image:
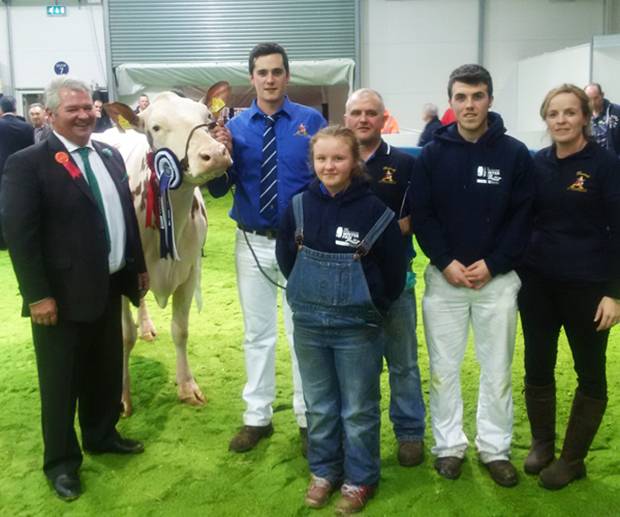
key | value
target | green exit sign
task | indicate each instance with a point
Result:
(56, 10)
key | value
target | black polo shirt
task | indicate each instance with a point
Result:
(390, 170)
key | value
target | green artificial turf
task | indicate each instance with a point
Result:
(187, 468)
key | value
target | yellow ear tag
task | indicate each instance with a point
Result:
(124, 123)
(217, 105)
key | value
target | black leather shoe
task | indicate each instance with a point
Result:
(119, 445)
(503, 473)
(449, 467)
(67, 486)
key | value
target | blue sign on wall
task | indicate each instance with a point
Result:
(61, 68)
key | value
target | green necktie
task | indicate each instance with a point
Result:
(94, 186)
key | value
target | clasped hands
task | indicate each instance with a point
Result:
(474, 276)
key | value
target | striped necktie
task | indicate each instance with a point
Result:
(94, 186)
(269, 173)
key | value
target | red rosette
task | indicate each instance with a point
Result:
(63, 159)
(152, 189)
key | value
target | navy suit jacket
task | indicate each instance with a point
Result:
(15, 134)
(56, 234)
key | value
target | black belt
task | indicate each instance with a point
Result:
(270, 234)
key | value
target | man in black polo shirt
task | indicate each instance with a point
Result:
(390, 170)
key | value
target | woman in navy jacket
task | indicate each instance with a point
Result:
(571, 279)
(342, 252)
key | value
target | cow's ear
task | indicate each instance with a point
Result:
(124, 117)
(218, 97)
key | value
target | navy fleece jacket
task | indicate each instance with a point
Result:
(576, 235)
(473, 201)
(336, 225)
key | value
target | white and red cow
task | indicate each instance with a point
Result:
(180, 125)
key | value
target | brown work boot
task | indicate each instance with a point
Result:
(303, 436)
(354, 498)
(319, 492)
(248, 437)
(449, 466)
(540, 404)
(585, 419)
(503, 473)
(410, 453)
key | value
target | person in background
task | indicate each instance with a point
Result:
(74, 243)
(15, 134)
(38, 119)
(269, 145)
(390, 171)
(605, 120)
(342, 252)
(432, 122)
(571, 280)
(103, 121)
(143, 103)
(471, 196)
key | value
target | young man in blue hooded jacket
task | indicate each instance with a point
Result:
(471, 196)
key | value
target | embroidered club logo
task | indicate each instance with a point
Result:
(488, 176)
(346, 237)
(579, 185)
(388, 175)
(301, 131)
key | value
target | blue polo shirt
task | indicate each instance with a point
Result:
(295, 125)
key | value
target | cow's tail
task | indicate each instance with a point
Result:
(198, 290)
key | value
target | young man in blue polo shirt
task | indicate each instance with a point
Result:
(390, 170)
(269, 145)
(471, 196)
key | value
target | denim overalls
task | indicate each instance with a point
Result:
(339, 346)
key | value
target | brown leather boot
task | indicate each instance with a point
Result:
(585, 419)
(248, 437)
(540, 404)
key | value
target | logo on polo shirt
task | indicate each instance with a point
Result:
(346, 237)
(388, 175)
(488, 176)
(579, 185)
(301, 131)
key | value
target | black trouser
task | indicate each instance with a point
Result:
(82, 362)
(546, 306)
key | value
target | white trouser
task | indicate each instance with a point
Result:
(492, 311)
(259, 303)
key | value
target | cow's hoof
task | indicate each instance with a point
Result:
(126, 408)
(190, 393)
(148, 334)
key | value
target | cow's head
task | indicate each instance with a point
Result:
(182, 125)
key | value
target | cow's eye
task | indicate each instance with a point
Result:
(156, 128)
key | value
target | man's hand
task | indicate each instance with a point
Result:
(607, 313)
(223, 136)
(44, 312)
(478, 274)
(143, 283)
(454, 273)
(405, 225)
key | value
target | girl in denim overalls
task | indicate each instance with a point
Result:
(341, 250)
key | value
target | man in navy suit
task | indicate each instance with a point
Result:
(73, 239)
(15, 134)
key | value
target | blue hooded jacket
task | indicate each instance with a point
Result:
(473, 200)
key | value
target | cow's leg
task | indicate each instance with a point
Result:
(188, 390)
(130, 335)
(147, 328)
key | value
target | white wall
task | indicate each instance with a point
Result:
(538, 75)
(409, 47)
(40, 41)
